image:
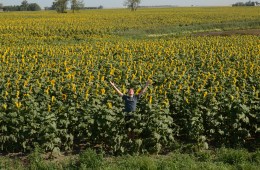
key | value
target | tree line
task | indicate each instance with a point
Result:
(249, 3)
(58, 5)
(25, 6)
(62, 5)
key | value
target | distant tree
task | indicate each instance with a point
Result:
(34, 7)
(12, 8)
(132, 4)
(249, 3)
(53, 7)
(1, 6)
(238, 4)
(76, 5)
(60, 5)
(24, 5)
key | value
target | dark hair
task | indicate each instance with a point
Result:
(130, 89)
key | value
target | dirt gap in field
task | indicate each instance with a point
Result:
(229, 33)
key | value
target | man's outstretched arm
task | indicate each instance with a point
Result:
(145, 87)
(117, 90)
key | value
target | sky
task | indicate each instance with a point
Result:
(119, 3)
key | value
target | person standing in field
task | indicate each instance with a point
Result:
(130, 101)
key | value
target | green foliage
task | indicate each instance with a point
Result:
(33, 7)
(60, 5)
(233, 157)
(89, 159)
(137, 162)
(256, 157)
(76, 5)
(36, 160)
(248, 3)
(24, 5)
(132, 4)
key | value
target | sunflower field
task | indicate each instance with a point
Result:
(55, 71)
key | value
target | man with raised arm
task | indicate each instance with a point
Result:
(130, 105)
(130, 99)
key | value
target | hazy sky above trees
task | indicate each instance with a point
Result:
(119, 3)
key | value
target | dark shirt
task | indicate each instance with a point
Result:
(130, 102)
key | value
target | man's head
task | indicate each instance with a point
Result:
(131, 92)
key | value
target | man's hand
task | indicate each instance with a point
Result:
(117, 90)
(112, 83)
(146, 85)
